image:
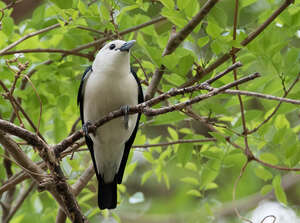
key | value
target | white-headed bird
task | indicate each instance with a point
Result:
(108, 85)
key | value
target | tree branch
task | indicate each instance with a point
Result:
(126, 31)
(143, 108)
(60, 188)
(277, 107)
(77, 188)
(48, 50)
(12, 45)
(174, 41)
(245, 42)
(263, 96)
(179, 106)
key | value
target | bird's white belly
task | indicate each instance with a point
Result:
(103, 95)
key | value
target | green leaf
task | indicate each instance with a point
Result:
(185, 153)
(82, 7)
(8, 25)
(266, 189)
(168, 3)
(209, 173)
(166, 179)
(190, 180)
(130, 168)
(279, 192)
(194, 192)
(18, 219)
(245, 3)
(213, 30)
(218, 15)
(203, 41)
(211, 186)
(281, 122)
(146, 176)
(148, 156)
(174, 16)
(269, 158)
(65, 4)
(182, 4)
(170, 61)
(173, 133)
(116, 217)
(186, 64)
(105, 16)
(63, 102)
(191, 166)
(191, 9)
(263, 173)
(218, 136)
(121, 188)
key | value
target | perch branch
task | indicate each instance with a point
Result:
(143, 108)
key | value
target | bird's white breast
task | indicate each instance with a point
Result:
(106, 92)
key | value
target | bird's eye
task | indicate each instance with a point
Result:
(112, 46)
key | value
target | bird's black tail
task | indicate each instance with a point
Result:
(107, 194)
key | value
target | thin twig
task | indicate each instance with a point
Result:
(176, 142)
(263, 96)
(73, 129)
(275, 166)
(23, 167)
(179, 106)
(141, 66)
(10, 5)
(124, 32)
(40, 101)
(235, 188)
(18, 178)
(12, 45)
(174, 41)
(20, 201)
(245, 42)
(90, 29)
(11, 99)
(112, 20)
(48, 50)
(277, 107)
(88, 45)
(245, 130)
(14, 102)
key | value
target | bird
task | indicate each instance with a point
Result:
(110, 84)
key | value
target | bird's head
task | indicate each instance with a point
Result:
(114, 54)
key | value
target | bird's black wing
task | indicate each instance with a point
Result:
(129, 142)
(80, 101)
(80, 96)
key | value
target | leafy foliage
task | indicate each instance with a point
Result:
(189, 180)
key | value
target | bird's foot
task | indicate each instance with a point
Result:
(85, 127)
(125, 109)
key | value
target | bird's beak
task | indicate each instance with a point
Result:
(126, 46)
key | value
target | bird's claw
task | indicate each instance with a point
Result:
(125, 109)
(85, 127)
